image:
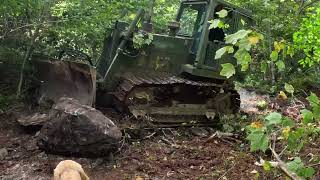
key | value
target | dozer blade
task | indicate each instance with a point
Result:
(65, 79)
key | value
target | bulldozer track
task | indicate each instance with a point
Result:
(130, 83)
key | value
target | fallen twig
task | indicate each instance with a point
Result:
(285, 148)
(226, 172)
(122, 143)
(317, 164)
(149, 136)
(169, 143)
(222, 135)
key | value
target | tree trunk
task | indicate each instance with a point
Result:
(272, 69)
(26, 58)
(94, 52)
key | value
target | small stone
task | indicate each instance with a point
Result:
(3, 153)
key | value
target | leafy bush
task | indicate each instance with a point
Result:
(307, 39)
(278, 129)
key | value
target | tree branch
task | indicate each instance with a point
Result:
(304, 6)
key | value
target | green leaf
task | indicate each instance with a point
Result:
(289, 88)
(264, 66)
(290, 51)
(295, 142)
(214, 23)
(233, 38)
(274, 56)
(295, 165)
(298, 167)
(244, 44)
(258, 141)
(315, 104)
(314, 100)
(307, 116)
(223, 13)
(243, 59)
(228, 70)
(220, 52)
(281, 66)
(230, 49)
(287, 122)
(273, 118)
(306, 172)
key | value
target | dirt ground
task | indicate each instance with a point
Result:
(163, 154)
(172, 156)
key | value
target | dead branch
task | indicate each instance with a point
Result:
(283, 166)
(303, 6)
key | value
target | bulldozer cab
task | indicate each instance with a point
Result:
(193, 18)
(188, 48)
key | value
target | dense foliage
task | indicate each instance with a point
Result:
(76, 24)
(307, 38)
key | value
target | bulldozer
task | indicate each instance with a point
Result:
(174, 80)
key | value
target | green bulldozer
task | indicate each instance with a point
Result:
(173, 81)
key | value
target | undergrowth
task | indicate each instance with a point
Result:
(6, 101)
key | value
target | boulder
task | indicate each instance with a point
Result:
(80, 130)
